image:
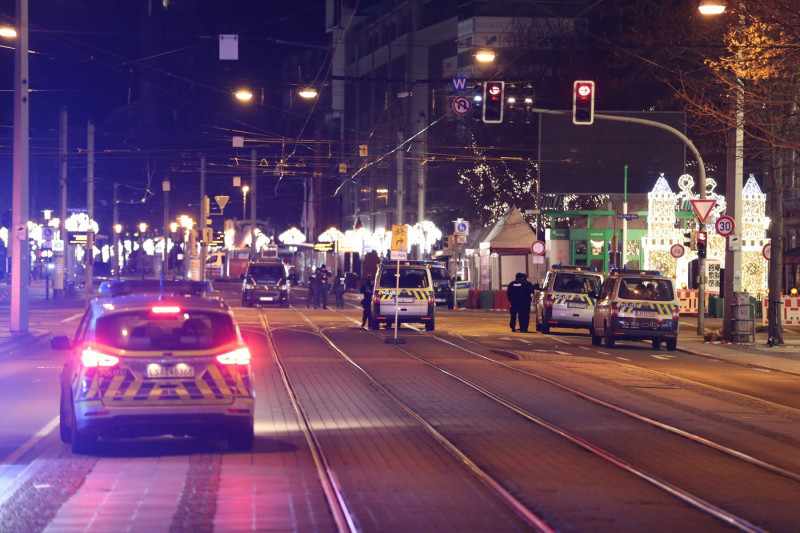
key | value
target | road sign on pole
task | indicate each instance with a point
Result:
(725, 226)
(702, 208)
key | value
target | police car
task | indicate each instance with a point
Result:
(566, 299)
(266, 282)
(412, 284)
(636, 305)
(150, 365)
(442, 285)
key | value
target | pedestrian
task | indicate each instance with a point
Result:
(337, 288)
(313, 290)
(366, 302)
(324, 278)
(519, 297)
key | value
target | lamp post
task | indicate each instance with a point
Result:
(117, 255)
(142, 229)
(245, 190)
(173, 228)
(734, 179)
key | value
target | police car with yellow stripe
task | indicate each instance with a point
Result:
(404, 292)
(566, 299)
(636, 305)
(153, 364)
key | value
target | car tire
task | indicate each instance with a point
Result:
(241, 440)
(537, 323)
(64, 430)
(374, 324)
(450, 305)
(609, 339)
(430, 325)
(672, 344)
(285, 303)
(544, 327)
(656, 344)
(245, 303)
(81, 442)
(597, 340)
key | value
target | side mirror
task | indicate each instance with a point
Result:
(60, 342)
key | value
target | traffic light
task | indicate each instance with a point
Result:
(477, 103)
(702, 242)
(493, 100)
(511, 104)
(690, 240)
(583, 102)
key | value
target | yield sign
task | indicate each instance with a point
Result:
(702, 208)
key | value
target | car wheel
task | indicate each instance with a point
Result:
(63, 427)
(544, 327)
(656, 344)
(81, 442)
(430, 325)
(450, 305)
(538, 324)
(609, 340)
(242, 440)
(596, 339)
(285, 303)
(374, 324)
(245, 303)
(672, 344)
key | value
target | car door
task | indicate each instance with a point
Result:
(602, 311)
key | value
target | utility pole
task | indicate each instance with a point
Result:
(203, 217)
(401, 180)
(89, 257)
(20, 252)
(115, 213)
(165, 187)
(253, 203)
(61, 258)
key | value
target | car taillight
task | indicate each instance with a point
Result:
(376, 298)
(614, 310)
(93, 358)
(239, 356)
(431, 299)
(675, 314)
(165, 310)
(548, 300)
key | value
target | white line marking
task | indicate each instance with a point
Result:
(624, 358)
(71, 318)
(33, 441)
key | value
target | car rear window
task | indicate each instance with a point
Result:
(646, 289)
(185, 330)
(576, 283)
(440, 274)
(410, 278)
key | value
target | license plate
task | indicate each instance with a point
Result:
(266, 298)
(576, 305)
(440, 300)
(646, 314)
(405, 300)
(181, 370)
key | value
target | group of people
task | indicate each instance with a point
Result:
(519, 294)
(320, 285)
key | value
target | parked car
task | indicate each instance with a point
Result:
(403, 292)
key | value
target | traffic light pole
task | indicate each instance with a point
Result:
(701, 286)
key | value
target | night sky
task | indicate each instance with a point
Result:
(151, 81)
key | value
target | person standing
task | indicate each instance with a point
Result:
(324, 278)
(313, 289)
(519, 294)
(366, 301)
(337, 288)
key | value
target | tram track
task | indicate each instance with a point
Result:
(718, 512)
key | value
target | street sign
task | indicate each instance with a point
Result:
(462, 105)
(702, 208)
(397, 255)
(538, 248)
(48, 234)
(677, 250)
(459, 83)
(628, 216)
(461, 239)
(766, 251)
(222, 201)
(461, 227)
(725, 226)
(399, 238)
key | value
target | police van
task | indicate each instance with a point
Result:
(636, 305)
(403, 292)
(566, 300)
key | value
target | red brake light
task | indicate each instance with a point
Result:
(239, 356)
(93, 358)
(165, 309)
(614, 310)
(548, 300)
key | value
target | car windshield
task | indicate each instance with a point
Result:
(184, 330)
(266, 272)
(576, 283)
(658, 290)
(410, 278)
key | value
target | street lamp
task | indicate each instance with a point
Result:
(142, 229)
(734, 178)
(117, 255)
(245, 190)
(307, 92)
(485, 56)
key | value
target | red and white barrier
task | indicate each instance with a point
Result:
(791, 311)
(688, 301)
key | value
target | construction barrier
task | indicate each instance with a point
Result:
(791, 311)
(501, 300)
(687, 301)
(474, 300)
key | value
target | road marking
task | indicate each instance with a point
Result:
(33, 441)
(662, 357)
(624, 358)
(71, 318)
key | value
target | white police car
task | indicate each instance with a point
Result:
(566, 299)
(150, 365)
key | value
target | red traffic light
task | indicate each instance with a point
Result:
(583, 102)
(702, 237)
(494, 89)
(583, 90)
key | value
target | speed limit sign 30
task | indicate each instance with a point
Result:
(725, 226)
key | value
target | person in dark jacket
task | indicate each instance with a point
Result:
(519, 294)
(324, 278)
(337, 288)
(366, 301)
(313, 290)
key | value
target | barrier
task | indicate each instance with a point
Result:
(501, 300)
(687, 301)
(791, 311)
(487, 299)
(474, 299)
